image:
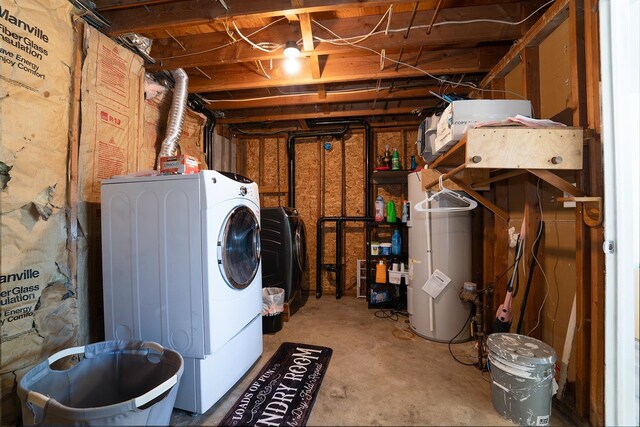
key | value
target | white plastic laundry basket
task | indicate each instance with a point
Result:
(115, 383)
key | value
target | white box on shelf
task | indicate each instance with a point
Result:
(460, 114)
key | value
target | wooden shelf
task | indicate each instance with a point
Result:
(390, 176)
(517, 150)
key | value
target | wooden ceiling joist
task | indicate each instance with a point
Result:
(352, 68)
(327, 114)
(550, 20)
(331, 98)
(204, 49)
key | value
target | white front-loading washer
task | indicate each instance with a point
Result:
(181, 266)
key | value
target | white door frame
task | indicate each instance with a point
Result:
(620, 47)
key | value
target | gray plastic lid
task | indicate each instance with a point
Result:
(521, 349)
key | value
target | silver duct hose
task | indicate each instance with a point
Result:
(169, 145)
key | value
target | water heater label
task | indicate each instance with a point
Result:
(436, 283)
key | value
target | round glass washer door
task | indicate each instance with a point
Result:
(240, 247)
(300, 245)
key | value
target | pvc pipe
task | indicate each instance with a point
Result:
(427, 219)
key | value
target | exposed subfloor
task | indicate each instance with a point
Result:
(380, 373)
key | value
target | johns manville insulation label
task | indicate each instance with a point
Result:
(38, 312)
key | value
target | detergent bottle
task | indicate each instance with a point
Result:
(395, 160)
(396, 243)
(379, 214)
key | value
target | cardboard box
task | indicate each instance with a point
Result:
(460, 114)
(182, 164)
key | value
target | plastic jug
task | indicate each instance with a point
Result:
(395, 160)
(379, 214)
(396, 243)
(391, 211)
(381, 272)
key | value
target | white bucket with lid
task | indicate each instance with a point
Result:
(522, 372)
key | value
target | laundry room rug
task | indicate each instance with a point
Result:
(284, 391)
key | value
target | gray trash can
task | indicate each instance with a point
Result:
(116, 383)
(272, 308)
(522, 373)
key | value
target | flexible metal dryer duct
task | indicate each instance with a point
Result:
(176, 115)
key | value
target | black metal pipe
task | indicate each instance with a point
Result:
(291, 154)
(368, 142)
(319, 248)
(341, 219)
(195, 103)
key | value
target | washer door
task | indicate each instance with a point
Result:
(240, 247)
(300, 246)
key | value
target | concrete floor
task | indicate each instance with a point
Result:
(380, 373)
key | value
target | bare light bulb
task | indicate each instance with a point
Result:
(291, 65)
(291, 50)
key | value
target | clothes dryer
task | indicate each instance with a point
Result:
(181, 266)
(284, 251)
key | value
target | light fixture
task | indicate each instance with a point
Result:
(291, 49)
(291, 65)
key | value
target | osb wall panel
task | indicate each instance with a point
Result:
(269, 159)
(354, 241)
(411, 136)
(307, 197)
(555, 72)
(513, 83)
(355, 175)
(252, 160)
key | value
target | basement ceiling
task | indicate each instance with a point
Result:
(385, 61)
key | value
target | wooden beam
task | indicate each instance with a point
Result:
(596, 236)
(530, 59)
(498, 89)
(368, 95)
(501, 248)
(205, 49)
(501, 213)
(349, 68)
(434, 16)
(497, 178)
(557, 182)
(577, 54)
(531, 77)
(149, 15)
(552, 18)
(322, 92)
(314, 66)
(327, 114)
(307, 34)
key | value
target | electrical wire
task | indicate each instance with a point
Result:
(440, 79)
(256, 45)
(456, 336)
(437, 24)
(540, 265)
(201, 52)
(366, 36)
(392, 315)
